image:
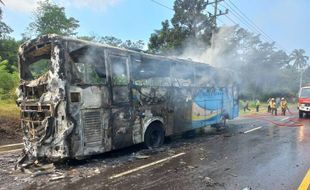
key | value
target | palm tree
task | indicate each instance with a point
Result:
(300, 61)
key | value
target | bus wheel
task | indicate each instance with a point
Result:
(154, 136)
(301, 114)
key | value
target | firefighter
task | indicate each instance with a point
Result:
(273, 106)
(268, 102)
(283, 105)
(246, 106)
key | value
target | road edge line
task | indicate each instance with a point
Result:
(305, 182)
(145, 166)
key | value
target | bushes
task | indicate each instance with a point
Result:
(8, 81)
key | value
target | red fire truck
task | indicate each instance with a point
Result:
(304, 101)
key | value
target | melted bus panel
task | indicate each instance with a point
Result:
(93, 98)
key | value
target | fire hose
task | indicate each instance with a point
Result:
(294, 122)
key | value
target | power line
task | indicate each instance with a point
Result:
(220, 21)
(247, 24)
(158, 3)
(253, 23)
(248, 18)
(236, 12)
(231, 20)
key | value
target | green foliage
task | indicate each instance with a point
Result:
(8, 51)
(40, 67)
(110, 40)
(50, 18)
(116, 42)
(299, 59)
(8, 81)
(190, 24)
(4, 28)
(261, 68)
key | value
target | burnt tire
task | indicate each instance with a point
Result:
(154, 136)
(301, 114)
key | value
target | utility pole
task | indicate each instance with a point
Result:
(217, 12)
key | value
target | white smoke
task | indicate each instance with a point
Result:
(216, 54)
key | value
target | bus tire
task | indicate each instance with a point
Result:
(154, 135)
(301, 114)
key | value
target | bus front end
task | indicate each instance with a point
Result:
(41, 98)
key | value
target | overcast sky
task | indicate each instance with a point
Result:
(285, 21)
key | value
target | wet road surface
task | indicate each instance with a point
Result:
(254, 152)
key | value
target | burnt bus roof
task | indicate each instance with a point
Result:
(36, 43)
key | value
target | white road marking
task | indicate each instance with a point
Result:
(252, 130)
(284, 118)
(10, 145)
(10, 151)
(145, 166)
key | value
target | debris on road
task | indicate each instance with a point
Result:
(140, 156)
(209, 182)
(246, 188)
(57, 176)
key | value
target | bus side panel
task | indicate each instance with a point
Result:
(182, 104)
(207, 107)
(91, 132)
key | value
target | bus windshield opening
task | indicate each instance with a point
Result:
(37, 63)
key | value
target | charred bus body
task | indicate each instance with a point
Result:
(94, 98)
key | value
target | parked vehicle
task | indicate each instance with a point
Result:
(304, 101)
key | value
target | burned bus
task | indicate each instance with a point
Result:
(79, 98)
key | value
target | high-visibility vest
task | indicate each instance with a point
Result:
(283, 104)
(272, 104)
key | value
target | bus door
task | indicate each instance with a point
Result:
(121, 109)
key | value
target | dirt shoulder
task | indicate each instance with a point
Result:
(10, 131)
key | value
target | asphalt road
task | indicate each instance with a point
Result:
(255, 152)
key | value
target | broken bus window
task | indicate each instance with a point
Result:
(88, 66)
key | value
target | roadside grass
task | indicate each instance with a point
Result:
(252, 107)
(8, 109)
(263, 108)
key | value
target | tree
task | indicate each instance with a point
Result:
(128, 44)
(299, 58)
(4, 28)
(189, 25)
(110, 40)
(8, 51)
(300, 61)
(51, 18)
(116, 42)
(8, 81)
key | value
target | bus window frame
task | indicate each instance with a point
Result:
(110, 80)
(73, 68)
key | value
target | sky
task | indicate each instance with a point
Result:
(284, 21)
